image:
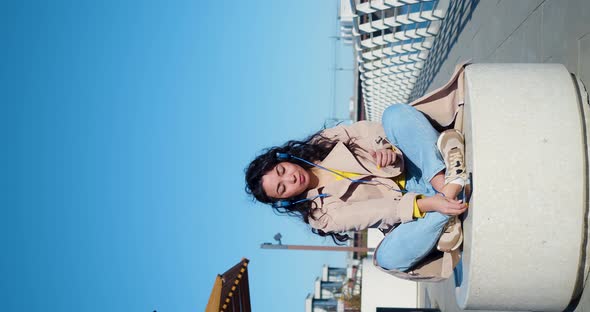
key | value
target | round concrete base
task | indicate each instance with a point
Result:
(526, 148)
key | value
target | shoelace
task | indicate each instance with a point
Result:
(455, 160)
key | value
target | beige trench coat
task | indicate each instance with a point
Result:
(356, 206)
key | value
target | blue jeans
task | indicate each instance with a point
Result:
(412, 133)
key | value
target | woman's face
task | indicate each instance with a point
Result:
(285, 180)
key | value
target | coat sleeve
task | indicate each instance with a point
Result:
(356, 216)
(366, 134)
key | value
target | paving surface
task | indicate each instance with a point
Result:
(525, 31)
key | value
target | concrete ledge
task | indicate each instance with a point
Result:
(526, 148)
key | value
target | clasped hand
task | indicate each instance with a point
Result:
(442, 204)
(384, 157)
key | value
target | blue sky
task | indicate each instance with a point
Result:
(127, 126)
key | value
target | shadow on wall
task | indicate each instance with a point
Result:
(459, 13)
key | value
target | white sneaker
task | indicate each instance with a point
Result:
(451, 145)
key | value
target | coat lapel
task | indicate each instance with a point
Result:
(336, 189)
(340, 158)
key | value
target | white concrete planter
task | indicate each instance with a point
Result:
(525, 234)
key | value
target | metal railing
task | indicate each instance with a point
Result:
(392, 41)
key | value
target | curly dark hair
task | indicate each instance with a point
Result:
(314, 148)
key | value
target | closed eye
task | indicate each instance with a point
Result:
(281, 189)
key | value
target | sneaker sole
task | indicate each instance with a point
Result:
(455, 247)
(457, 244)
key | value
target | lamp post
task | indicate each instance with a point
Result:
(278, 237)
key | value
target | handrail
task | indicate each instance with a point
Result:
(392, 40)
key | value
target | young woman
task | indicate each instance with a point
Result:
(369, 175)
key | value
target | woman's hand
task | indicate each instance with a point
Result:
(384, 157)
(442, 204)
